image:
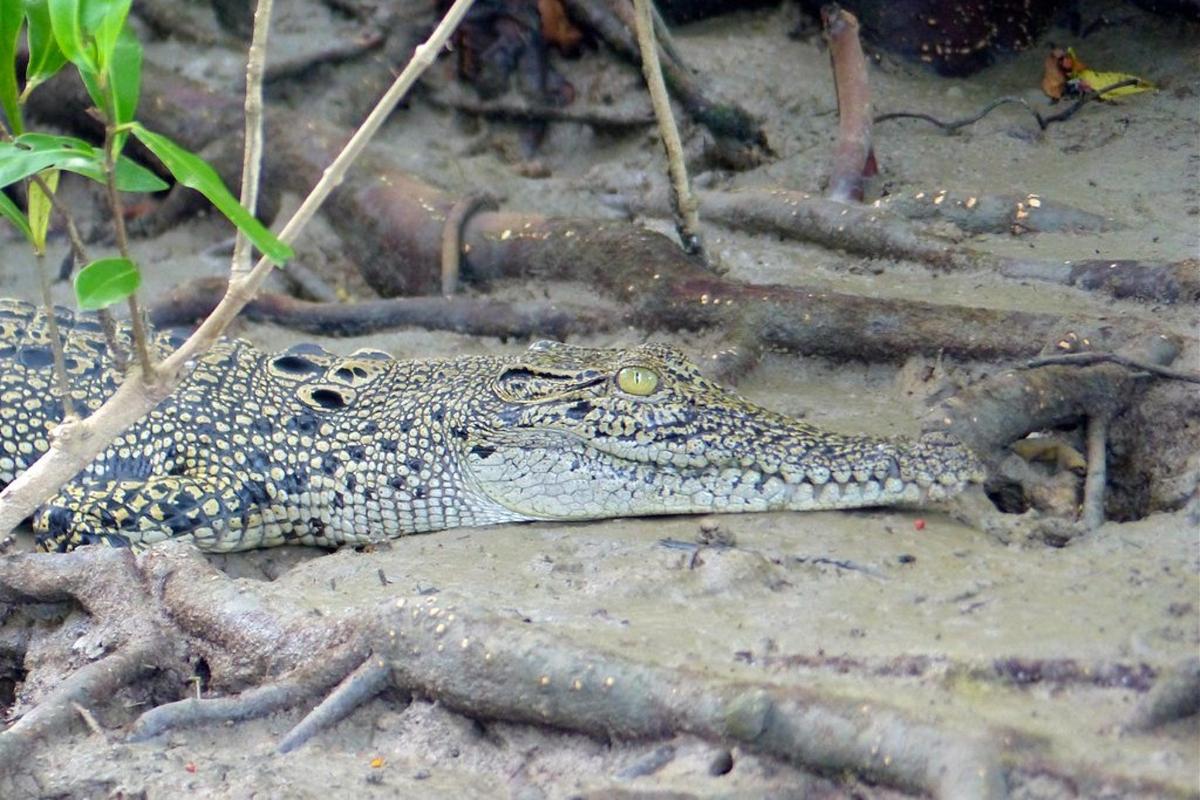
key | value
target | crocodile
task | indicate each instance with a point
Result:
(257, 449)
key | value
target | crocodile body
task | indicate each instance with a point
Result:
(259, 449)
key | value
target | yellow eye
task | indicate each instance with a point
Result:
(637, 380)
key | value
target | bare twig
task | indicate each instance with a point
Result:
(1087, 359)
(1042, 121)
(77, 443)
(687, 218)
(723, 118)
(89, 719)
(252, 141)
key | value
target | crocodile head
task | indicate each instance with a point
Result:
(583, 433)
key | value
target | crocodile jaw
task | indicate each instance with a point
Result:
(576, 482)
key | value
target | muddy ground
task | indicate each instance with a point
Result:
(906, 608)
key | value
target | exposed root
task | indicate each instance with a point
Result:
(1170, 282)
(484, 665)
(372, 677)
(722, 117)
(976, 212)
(475, 316)
(89, 685)
(854, 157)
(492, 667)
(302, 687)
(110, 588)
(519, 109)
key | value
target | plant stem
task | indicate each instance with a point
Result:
(252, 145)
(56, 344)
(687, 219)
(117, 208)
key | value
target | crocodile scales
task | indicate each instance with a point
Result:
(259, 449)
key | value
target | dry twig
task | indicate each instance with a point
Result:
(684, 203)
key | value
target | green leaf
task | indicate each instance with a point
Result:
(17, 163)
(125, 80)
(78, 156)
(107, 27)
(105, 281)
(193, 172)
(40, 207)
(67, 22)
(45, 57)
(9, 210)
(11, 17)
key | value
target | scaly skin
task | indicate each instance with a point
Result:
(260, 449)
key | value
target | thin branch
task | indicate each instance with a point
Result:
(687, 220)
(1042, 121)
(252, 146)
(1087, 359)
(76, 443)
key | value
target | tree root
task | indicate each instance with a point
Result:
(1003, 408)
(484, 665)
(724, 118)
(519, 109)
(999, 410)
(854, 157)
(392, 225)
(109, 586)
(1170, 282)
(193, 301)
(995, 213)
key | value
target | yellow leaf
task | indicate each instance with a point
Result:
(1091, 80)
(40, 207)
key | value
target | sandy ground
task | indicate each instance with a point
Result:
(828, 600)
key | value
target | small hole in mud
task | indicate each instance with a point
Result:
(8, 691)
(201, 670)
(1007, 496)
(722, 763)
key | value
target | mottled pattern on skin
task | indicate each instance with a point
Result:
(302, 447)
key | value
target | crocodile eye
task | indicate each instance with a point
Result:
(639, 381)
